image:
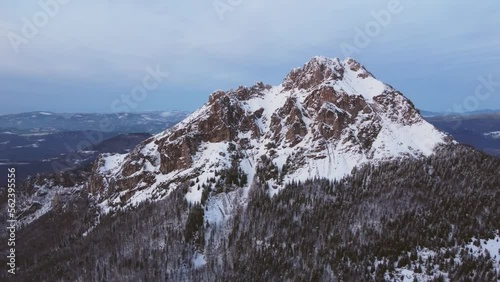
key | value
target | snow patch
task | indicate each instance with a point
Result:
(111, 163)
(490, 246)
(199, 260)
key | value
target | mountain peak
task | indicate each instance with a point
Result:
(322, 70)
(324, 119)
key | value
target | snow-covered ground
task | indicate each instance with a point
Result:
(408, 274)
(490, 246)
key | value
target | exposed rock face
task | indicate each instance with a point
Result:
(315, 72)
(324, 119)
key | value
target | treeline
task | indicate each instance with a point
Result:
(361, 228)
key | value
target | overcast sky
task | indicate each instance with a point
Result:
(87, 54)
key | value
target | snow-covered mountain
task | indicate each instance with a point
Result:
(323, 120)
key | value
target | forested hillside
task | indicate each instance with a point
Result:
(424, 219)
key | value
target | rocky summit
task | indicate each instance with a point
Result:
(324, 119)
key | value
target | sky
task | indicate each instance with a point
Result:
(144, 55)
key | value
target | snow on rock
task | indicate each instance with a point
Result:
(111, 163)
(44, 200)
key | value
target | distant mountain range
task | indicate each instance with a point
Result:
(47, 122)
(481, 131)
(425, 113)
(54, 152)
(143, 122)
(45, 142)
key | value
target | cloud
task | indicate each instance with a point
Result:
(109, 43)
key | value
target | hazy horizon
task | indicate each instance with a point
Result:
(190, 111)
(82, 56)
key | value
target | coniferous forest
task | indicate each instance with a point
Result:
(421, 216)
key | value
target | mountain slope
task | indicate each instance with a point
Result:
(323, 120)
(401, 220)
